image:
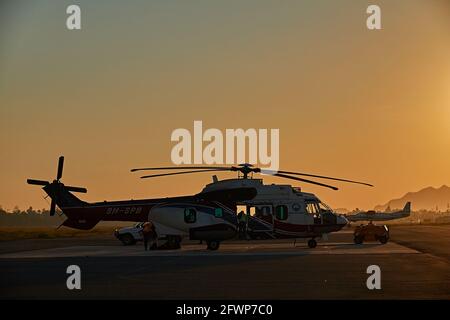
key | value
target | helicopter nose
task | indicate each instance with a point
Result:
(341, 220)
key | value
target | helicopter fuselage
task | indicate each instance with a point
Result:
(273, 211)
(217, 213)
(282, 211)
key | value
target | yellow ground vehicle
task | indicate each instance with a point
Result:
(371, 232)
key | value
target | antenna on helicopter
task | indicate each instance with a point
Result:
(246, 169)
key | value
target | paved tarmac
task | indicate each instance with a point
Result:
(414, 265)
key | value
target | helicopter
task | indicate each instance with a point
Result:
(272, 211)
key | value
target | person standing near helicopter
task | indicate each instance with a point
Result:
(149, 234)
(242, 225)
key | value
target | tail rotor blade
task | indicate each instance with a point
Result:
(54, 188)
(76, 189)
(52, 208)
(60, 167)
(38, 182)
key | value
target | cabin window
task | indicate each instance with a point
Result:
(252, 211)
(263, 211)
(218, 212)
(190, 215)
(281, 212)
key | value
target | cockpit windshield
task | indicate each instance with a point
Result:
(312, 207)
(324, 207)
(315, 207)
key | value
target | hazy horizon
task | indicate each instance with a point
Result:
(348, 207)
(352, 103)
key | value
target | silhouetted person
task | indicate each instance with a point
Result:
(149, 234)
(242, 224)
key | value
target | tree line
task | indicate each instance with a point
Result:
(29, 217)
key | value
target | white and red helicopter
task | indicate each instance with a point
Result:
(272, 211)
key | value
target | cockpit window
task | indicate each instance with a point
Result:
(312, 208)
(324, 208)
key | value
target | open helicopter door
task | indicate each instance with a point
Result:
(259, 220)
(263, 213)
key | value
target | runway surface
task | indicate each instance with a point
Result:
(415, 264)
(254, 248)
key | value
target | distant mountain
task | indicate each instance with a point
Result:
(341, 210)
(427, 198)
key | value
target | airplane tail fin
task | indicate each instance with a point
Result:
(407, 207)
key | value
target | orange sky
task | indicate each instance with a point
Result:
(349, 102)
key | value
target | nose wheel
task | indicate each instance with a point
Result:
(312, 243)
(213, 245)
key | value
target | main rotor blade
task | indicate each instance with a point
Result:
(305, 180)
(76, 189)
(179, 168)
(181, 172)
(60, 167)
(317, 176)
(52, 208)
(38, 182)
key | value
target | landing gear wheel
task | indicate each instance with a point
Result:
(173, 242)
(213, 245)
(312, 243)
(383, 240)
(127, 239)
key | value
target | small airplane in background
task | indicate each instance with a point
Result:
(372, 215)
